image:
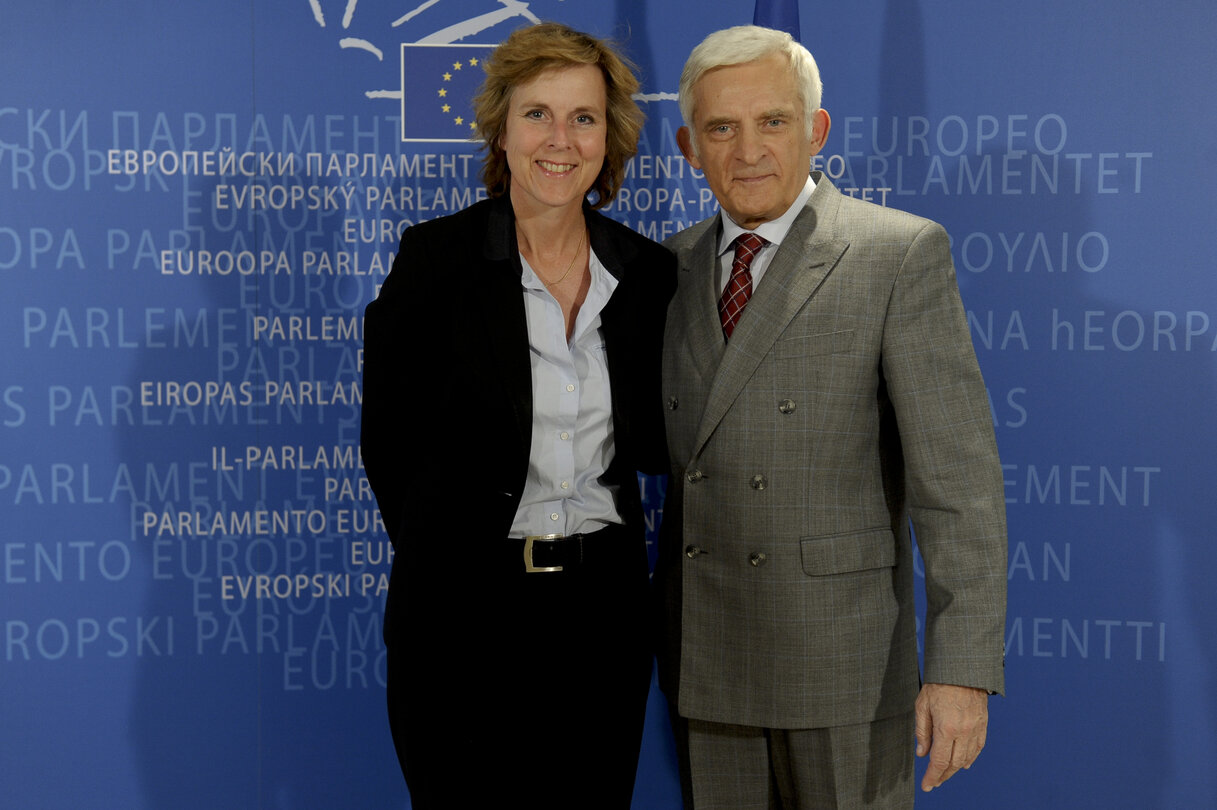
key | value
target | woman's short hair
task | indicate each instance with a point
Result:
(527, 53)
(747, 43)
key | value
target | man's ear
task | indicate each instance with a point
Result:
(684, 139)
(820, 124)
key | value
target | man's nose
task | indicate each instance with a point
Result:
(749, 146)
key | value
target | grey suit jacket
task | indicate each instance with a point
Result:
(847, 403)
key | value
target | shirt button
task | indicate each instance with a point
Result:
(566, 485)
(570, 387)
(564, 435)
(554, 516)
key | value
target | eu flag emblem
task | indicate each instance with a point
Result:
(438, 85)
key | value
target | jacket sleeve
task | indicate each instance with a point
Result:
(659, 286)
(953, 481)
(383, 436)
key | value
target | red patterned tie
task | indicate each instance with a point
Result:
(739, 286)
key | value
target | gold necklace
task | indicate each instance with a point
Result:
(578, 252)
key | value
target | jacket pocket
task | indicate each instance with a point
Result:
(843, 553)
(809, 345)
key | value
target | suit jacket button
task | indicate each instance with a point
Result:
(672, 403)
(694, 476)
(757, 558)
(692, 551)
(786, 406)
(759, 482)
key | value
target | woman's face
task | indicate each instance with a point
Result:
(554, 138)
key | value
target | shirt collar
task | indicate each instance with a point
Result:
(773, 231)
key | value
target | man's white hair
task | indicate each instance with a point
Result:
(747, 43)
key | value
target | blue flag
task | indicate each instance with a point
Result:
(780, 14)
(438, 86)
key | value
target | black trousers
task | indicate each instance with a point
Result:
(524, 688)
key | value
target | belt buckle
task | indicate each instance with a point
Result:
(528, 543)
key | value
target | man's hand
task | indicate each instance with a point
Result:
(951, 725)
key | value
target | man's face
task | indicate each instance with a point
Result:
(751, 138)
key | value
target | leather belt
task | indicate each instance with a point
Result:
(610, 544)
(549, 553)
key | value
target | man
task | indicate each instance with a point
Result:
(822, 392)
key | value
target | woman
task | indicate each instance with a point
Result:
(511, 392)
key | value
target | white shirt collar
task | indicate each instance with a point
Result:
(773, 231)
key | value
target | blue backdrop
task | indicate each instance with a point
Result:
(197, 201)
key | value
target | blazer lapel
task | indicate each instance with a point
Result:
(615, 317)
(499, 314)
(698, 319)
(806, 256)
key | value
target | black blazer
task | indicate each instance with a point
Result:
(447, 392)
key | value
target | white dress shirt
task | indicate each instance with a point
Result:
(572, 410)
(773, 232)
